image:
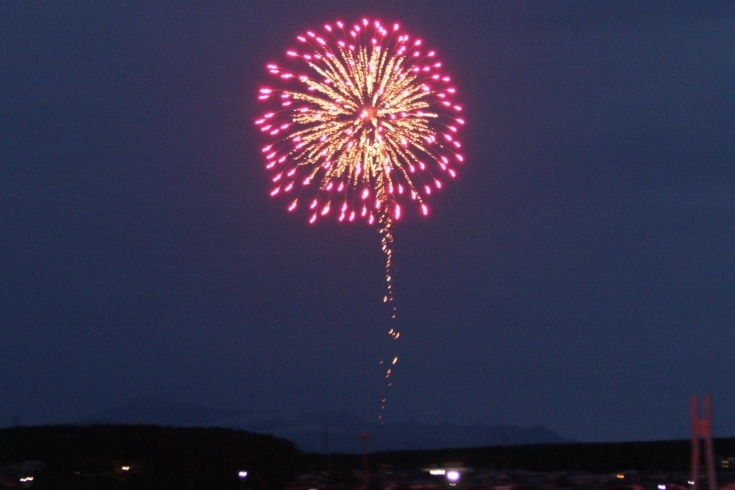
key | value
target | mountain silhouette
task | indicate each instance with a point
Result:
(326, 432)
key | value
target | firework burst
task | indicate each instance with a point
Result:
(362, 121)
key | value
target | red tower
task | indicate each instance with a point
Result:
(702, 429)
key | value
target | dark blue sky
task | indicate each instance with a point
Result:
(579, 274)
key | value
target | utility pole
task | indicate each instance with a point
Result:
(702, 430)
(364, 438)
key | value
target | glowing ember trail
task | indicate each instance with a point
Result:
(362, 123)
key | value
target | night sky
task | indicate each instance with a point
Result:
(578, 274)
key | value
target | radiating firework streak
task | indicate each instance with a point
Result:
(363, 120)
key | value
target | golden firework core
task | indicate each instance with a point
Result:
(369, 112)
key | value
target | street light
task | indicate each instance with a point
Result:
(452, 476)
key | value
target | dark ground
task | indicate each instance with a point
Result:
(168, 457)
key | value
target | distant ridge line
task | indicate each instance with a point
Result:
(322, 432)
